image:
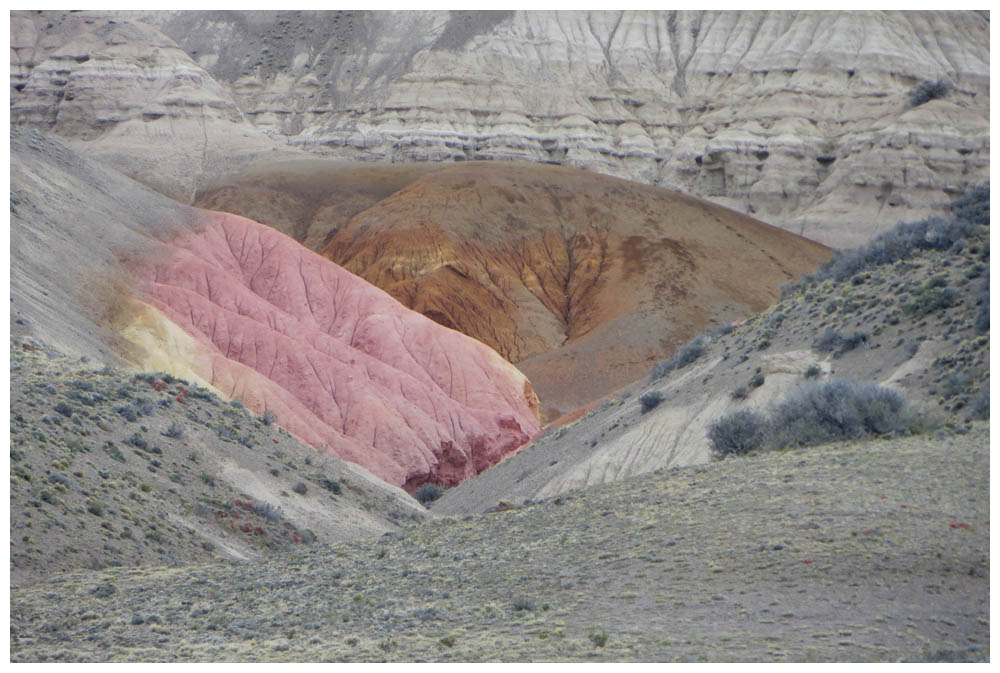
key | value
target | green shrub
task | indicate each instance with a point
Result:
(812, 371)
(95, 507)
(64, 409)
(931, 298)
(428, 493)
(650, 400)
(300, 488)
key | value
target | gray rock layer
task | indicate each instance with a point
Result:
(802, 119)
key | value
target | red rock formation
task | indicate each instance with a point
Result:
(341, 364)
(581, 280)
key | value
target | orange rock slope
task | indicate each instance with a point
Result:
(339, 362)
(583, 281)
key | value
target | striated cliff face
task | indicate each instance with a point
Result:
(801, 119)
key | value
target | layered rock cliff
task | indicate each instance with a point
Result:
(802, 119)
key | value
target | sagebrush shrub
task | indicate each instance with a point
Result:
(833, 341)
(926, 91)
(684, 356)
(738, 433)
(428, 493)
(933, 233)
(837, 409)
(650, 400)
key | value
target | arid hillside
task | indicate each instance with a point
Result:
(581, 280)
(230, 303)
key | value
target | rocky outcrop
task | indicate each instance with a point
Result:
(105, 269)
(581, 280)
(802, 119)
(337, 361)
(123, 92)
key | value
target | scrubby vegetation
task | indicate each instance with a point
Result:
(650, 400)
(816, 413)
(968, 214)
(928, 90)
(684, 356)
(428, 493)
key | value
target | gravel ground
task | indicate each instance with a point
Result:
(867, 551)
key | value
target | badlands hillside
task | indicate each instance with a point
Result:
(563, 272)
(496, 336)
(806, 120)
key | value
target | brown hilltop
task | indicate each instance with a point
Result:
(581, 280)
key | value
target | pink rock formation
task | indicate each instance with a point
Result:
(339, 362)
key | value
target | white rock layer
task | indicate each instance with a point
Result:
(801, 119)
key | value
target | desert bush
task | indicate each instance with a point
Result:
(738, 433)
(982, 321)
(927, 90)
(268, 511)
(757, 380)
(95, 507)
(974, 205)
(968, 212)
(930, 299)
(428, 493)
(207, 478)
(268, 417)
(331, 485)
(650, 400)
(837, 409)
(524, 604)
(739, 393)
(300, 488)
(684, 356)
(64, 409)
(127, 413)
(979, 409)
(833, 341)
(137, 441)
(175, 431)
